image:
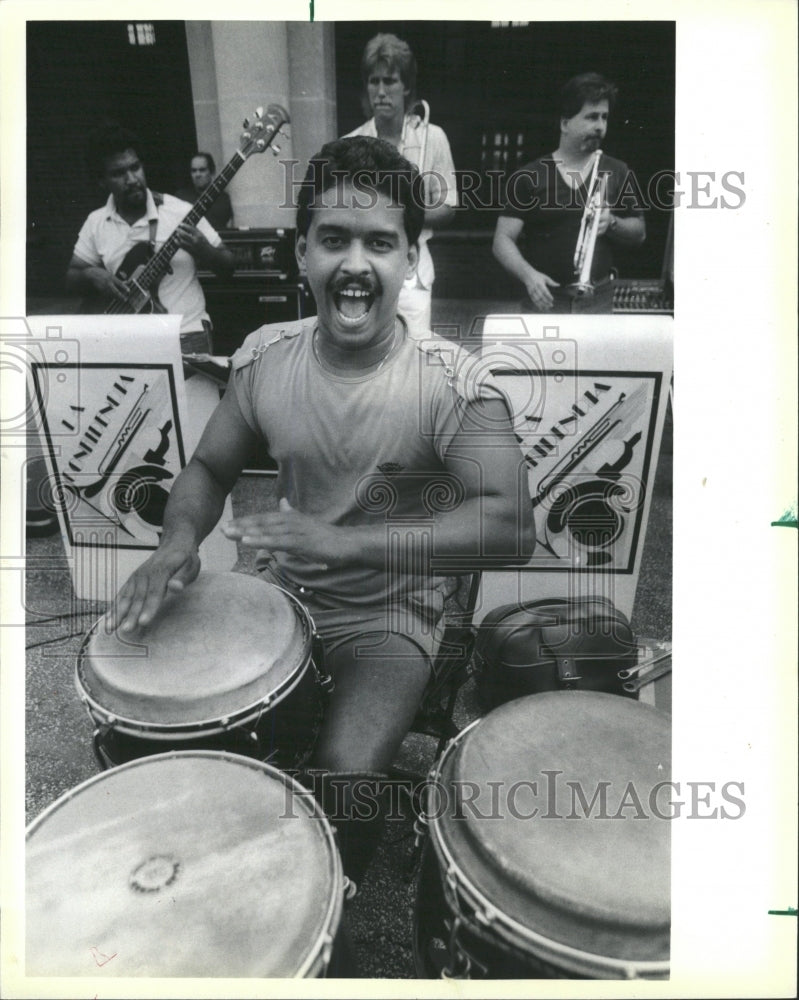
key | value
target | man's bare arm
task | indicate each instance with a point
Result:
(195, 505)
(626, 230)
(494, 518)
(218, 259)
(506, 251)
(88, 278)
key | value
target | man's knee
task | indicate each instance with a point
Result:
(380, 679)
(362, 748)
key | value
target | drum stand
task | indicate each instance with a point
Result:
(435, 717)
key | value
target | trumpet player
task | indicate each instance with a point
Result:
(546, 217)
(388, 71)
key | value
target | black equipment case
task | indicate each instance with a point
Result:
(553, 645)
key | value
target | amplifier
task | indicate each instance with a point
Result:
(241, 304)
(620, 295)
(261, 253)
(642, 295)
(264, 288)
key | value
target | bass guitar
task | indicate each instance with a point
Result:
(142, 269)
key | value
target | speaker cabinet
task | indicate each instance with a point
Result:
(240, 305)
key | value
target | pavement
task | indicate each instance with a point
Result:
(58, 750)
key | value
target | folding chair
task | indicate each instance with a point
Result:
(435, 717)
(450, 670)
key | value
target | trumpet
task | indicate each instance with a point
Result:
(424, 122)
(589, 225)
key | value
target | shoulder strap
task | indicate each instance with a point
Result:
(153, 223)
(466, 373)
(258, 342)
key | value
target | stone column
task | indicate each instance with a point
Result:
(200, 45)
(237, 66)
(312, 78)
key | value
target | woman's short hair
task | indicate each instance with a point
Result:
(397, 55)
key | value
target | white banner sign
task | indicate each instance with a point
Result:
(589, 396)
(117, 424)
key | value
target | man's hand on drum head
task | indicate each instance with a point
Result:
(168, 569)
(287, 530)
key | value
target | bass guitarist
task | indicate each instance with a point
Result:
(117, 239)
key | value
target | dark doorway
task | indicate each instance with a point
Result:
(78, 74)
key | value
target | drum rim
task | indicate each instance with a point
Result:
(318, 954)
(489, 914)
(215, 726)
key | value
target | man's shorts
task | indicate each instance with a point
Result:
(337, 622)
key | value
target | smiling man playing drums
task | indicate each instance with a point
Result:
(393, 451)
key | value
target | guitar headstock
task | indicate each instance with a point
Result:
(261, 130)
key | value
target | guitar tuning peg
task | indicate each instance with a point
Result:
(246, 123)
(275, 149)
(259, 112)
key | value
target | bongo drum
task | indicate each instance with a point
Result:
(191, 863)
(548, 853)
(227, 664)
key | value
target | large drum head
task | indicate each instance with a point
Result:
(185, 864)
(558, 827)
(225, 643)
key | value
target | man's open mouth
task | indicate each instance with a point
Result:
(353, 304)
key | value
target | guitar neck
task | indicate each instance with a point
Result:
(257, 137)
(158, 264)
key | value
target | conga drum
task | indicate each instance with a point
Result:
(227, 664)
(548, 853)
(191, 863)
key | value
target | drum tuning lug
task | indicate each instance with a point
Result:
(350, 888)
(447, 973)
(327, 950)
(486, 915)
(461, 963)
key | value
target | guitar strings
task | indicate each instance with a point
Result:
(150, 271)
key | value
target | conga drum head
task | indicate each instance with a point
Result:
(186, 864)
(224, 644)
(551, 820)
